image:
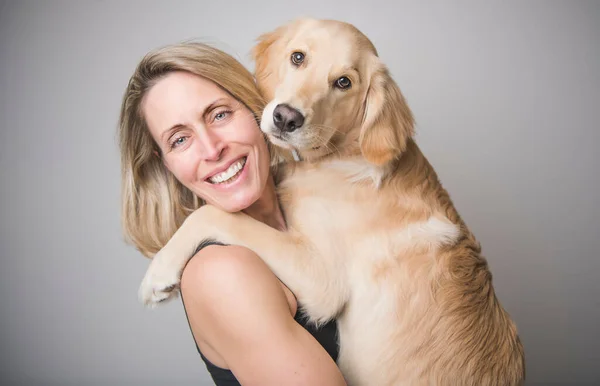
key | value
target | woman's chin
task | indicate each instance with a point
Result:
(238, 204)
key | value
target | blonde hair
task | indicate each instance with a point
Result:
(153, 203)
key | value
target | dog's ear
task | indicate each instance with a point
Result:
(265, 64)
(388, 122)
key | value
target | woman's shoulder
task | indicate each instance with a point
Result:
(231, 292)
(231, 267)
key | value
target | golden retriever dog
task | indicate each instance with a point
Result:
(373, 238)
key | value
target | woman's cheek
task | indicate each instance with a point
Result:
(184, 169)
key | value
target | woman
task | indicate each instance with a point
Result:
(189, 135)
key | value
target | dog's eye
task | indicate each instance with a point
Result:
(297, 58)
(343, 83)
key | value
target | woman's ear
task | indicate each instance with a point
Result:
(388, 122)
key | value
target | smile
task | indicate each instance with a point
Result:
(229, 175)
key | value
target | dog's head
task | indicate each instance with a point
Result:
(329, 92)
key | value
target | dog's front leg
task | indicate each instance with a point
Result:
(163, 276)
(318, 286)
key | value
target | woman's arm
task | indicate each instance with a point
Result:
(242, 320)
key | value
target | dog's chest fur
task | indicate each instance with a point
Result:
(342, 209)
(379, 243)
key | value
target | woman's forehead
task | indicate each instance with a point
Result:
(185, 85)
(178, 95)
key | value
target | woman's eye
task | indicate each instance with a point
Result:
(178, 142)
(222, 115)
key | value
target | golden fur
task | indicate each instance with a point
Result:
(373, 238)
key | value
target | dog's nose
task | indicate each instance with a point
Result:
(287, 118)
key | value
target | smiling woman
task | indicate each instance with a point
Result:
(209, 141)
(189, 135)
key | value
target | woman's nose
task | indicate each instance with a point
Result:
(212, 146)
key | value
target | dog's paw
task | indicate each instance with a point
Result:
(160, 283)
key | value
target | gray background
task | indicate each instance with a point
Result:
(507, 102)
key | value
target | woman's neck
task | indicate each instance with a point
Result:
(266, 209)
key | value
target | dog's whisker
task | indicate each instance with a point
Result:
(329, 146)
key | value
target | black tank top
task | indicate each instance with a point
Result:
(326, 335)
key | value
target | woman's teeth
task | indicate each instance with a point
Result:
(228, 174)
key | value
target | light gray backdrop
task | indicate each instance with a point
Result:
(507, 99)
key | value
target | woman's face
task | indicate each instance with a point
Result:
(208, 140)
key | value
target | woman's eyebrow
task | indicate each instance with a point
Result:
(211, 106)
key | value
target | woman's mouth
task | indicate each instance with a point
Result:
(229, 175)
